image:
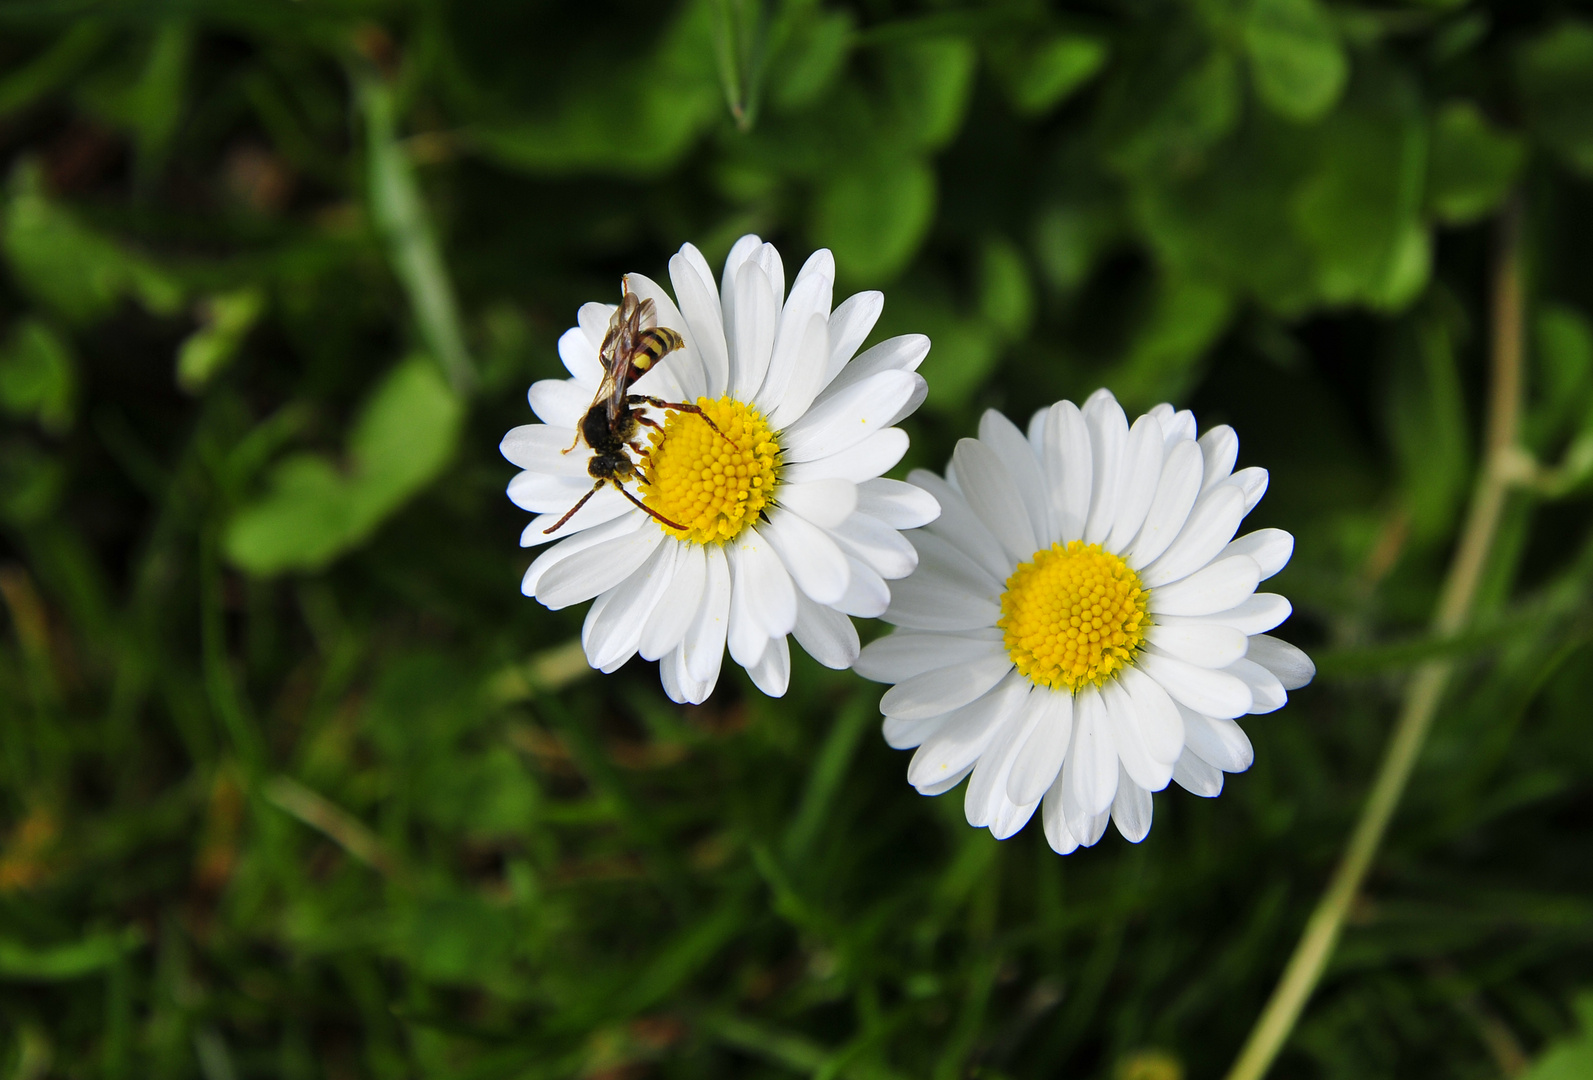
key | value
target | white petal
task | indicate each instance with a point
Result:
(899, 505)
(1137, 482)
(667, 626)
(1055, 822)
(1215, 693)
(1197, 777)
(994, 499)
(850, 325)
(823, 502)
(559, 402)
(1200, 642)
(699, 306)
(827, 635)
(867, 595)
(902, 353)
(1270, 548)
(594, 615)
(1160, 724)
(1089, 773)
(809, 301)
(1210, 526)
(580, 359)
(877, 544)
(1222, 585)
(1128, 738)
(1220, 743)
(1292, 667)
(1257, 615)
(986, 794)
(1266, 692)
(603, 507)
(841, 422)
(864, 461)
(750, 331)
(928, 605)
(820, 264)
(685, 364)
(903, 654)
(772, 672)
(704, 647)
(795, 346)
(594, 319)
(746, 638)
(1023, 467)
(1178, 426)
(596, 569)
(678, 681)
(1169, 510)
(802, 367)
(1069, 467)
(742, 250)
(1108, 429)
(958, 526)
(945, 783)
(1008, 817)
(1251, 481)
(940, 558)
(953, 749)
(543, 493)
(1131, 810)
(611, 637)
(1039, 762)
(768, 259)
(815, 562)
(542, 447)
(910, 734)
(1035, 433)
(1220, 448)
(564, 549)
(946, 688)
(771, 594)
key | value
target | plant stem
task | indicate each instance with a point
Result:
(1426, 688)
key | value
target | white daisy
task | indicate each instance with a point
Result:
(1082, 626)
(789, 531)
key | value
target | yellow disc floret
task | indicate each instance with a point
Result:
(1073, 615)
(714, 486)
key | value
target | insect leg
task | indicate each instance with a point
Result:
(680, 406)
(595, 489)
(651, 511)
(649, 421)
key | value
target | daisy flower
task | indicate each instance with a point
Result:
(766, 514)
(1082, 626)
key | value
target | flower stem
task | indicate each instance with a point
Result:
(1426, 688)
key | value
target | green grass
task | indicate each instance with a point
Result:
(294, 783)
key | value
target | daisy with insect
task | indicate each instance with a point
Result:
(1083, 627)
(711, 471)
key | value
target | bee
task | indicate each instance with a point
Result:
(631, 347)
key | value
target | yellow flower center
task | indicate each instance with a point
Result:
(1073, 615)
(713, 487)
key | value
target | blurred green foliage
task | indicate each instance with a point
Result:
(293, 783)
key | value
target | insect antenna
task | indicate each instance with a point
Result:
(598, 487)
(595, 489)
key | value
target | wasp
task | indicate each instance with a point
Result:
(632, 345)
